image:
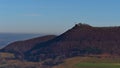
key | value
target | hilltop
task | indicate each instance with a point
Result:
(80, 40)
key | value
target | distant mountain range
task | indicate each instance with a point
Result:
(6, 38)
(81, 40)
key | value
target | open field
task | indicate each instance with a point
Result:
(90, 62)
(7, 61)
(97, 65)
(19, 64)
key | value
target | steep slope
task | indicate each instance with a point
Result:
(81, 40)
(19, 47)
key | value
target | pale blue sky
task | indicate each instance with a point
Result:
(56, 16)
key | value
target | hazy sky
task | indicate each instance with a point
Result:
(56, 16)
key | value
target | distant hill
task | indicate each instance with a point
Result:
(6, 38)
(81, 40)
(20, 47)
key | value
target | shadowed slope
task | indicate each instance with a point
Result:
(19, 47)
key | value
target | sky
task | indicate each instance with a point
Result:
(56, 16)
